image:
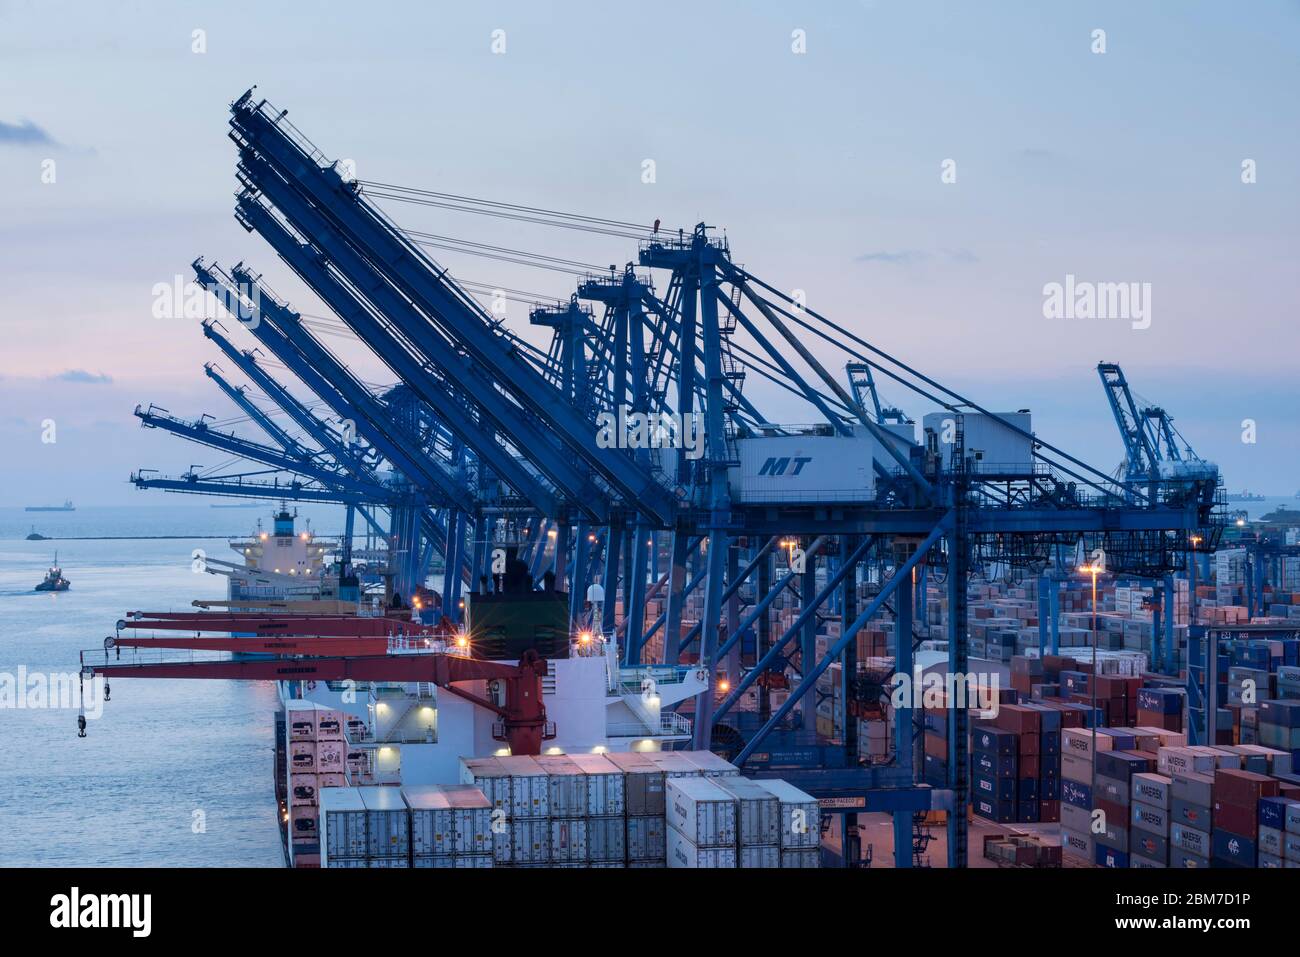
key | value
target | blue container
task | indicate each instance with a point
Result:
(1160, 700)
(1027, 812)
(994, 740)
(1049, 788)
(1280, 712)
(1233, 850)
(1074, 682)
(993, 789)
(1076, 794)
(994, 765)
(1186, 859)
(1121, 740)
(1050, 742)
(1001, 812)
(1109, 857)
(1122, 765)
(1027, 789)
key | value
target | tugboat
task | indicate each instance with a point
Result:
(35, 536)
(54, 580)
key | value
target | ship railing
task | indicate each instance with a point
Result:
(119, 655)
(634, 680)
(671, 724)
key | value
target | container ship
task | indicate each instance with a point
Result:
(67, 506)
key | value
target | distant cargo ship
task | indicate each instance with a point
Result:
(1244, 496)
(67, 506)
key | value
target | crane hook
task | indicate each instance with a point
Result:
(81, 725)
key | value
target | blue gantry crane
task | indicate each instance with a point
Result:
(637, 440)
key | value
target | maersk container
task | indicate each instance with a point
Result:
(646, 838)
(1152, 789)
(387, 862)
(606, 785)
(568, 840)
(529, 787)
(606, 839)
(801, 857)
(711, 765)
(800, 815)
(759, 855)
(566, 786)
(805, 468)
(529, 842)
(1190, 839)
(388, 822)
(643, 783)
(702, 811)
(758, 812)
(343, 826)
(682, 852)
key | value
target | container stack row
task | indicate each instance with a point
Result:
(315, 752)
(1142, 798)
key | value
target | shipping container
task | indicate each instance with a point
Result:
(682, 852)
(568, 839)
(606, 785)
(643, 783)
(455, 861)
(800, 815)
(702, 811)
(646, 838)
(343, 826)
(490, 777)
(530, 787)
(758, 812)
(388, 822)
(710, 764)
(566, 786)
(527, 841)
(449, 819)
(607, 839)
(801, 857)
(759, 855)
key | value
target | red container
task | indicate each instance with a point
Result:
(1242, 787)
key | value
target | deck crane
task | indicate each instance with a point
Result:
(521, 708)
(929, 503)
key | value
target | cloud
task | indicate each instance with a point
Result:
(912, 257)
(903, 257)
(25, 133)
(83, 377)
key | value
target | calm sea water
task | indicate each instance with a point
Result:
(126, 795)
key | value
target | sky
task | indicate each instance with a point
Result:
(922, 171)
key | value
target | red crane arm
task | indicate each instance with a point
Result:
(523, 714)
(265, 645)
(349, 625)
